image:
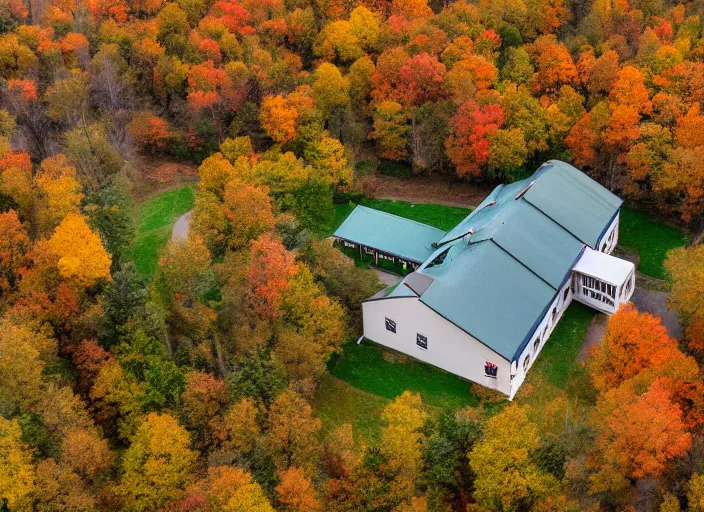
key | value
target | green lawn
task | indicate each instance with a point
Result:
(558, 358)
(650, 238)
(365, 367)
(155, 219)
(337, 403)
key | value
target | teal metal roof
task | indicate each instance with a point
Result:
(389, 233)
(573, 200)
(496, 272)
(490, 295)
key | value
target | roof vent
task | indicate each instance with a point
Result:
(523, 192)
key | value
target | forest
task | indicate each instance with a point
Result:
(143, 373)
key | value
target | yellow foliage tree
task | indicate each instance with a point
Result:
(59, 191)
(81, 255)
(20, 373)
(241, 429)
(401, 438)
(17, 477)
(695, 493)
(506, 478)
(157, 466)
(292, 436)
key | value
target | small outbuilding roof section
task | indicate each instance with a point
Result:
(604, 267)
(391, 234)
(573, 200)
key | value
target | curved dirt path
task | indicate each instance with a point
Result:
(180, 230)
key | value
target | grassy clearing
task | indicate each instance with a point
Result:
(155, 218)
(337, 403)
(651, 239)
(558, 359)
(365, 367)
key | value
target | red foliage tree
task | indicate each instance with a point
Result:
(468, 144)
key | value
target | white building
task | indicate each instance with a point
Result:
(485, 296)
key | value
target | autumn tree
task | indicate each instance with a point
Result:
(60, 489)
(14, 246)
(158, 465)
(20, 372)
(468, 145)
(292, 436)
(185, 265)
(554, 65)
(248, 208)
(295, 492)
(637, 435)
(117, 400)
(271, 268)
(330, 91)
(686, 266)
(313, 317)
(390, 130)
(59, 191)
(506, 476)
(402, 439)
(695, 493)
(240, 427)
(79, 251)
(150, 133)
(17, 480)
(633, 342)
(203, 401)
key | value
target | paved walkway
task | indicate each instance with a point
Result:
(594, 337)
(655, 302)
(388, 278)
(180, 230)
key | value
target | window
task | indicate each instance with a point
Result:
(526, 363)
(554, 314)
(565, 294)
(390, 325)
(422, 341)
(490, 369)
(536, 344)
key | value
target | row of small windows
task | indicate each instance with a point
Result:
(543, 335)
(421, 339)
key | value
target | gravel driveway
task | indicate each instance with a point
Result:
(180, 230)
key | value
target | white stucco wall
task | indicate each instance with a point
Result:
(542, 333)
(613, 228)
(449, 347)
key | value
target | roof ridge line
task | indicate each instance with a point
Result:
(555, 221)
(521, 263)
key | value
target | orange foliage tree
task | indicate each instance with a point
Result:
(14, 245)
(633, 342)
(248, 208)
(150, 132)
(637, 435)
(271, 268)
